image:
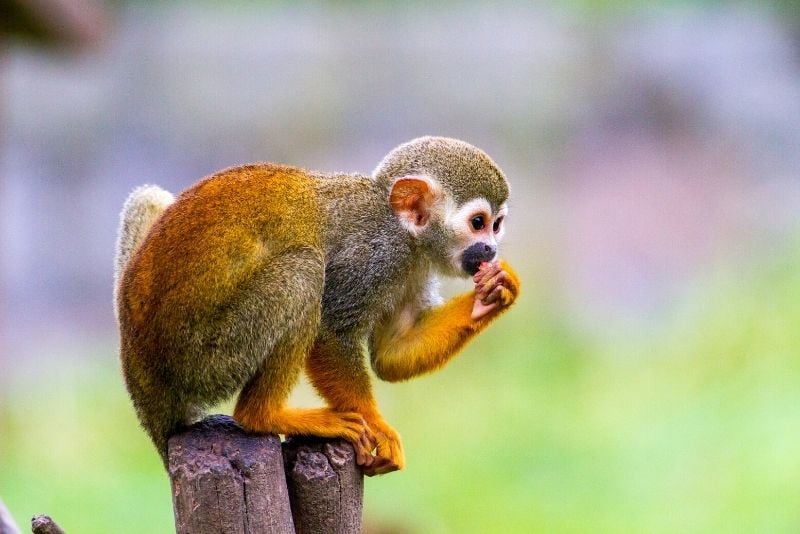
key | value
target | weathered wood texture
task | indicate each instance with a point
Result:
(326, 486)
(225, 480)
(42, 524)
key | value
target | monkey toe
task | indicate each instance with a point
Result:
(385, 442)
(355, 429)
(380, 466)
(364, 447)
(389, 455)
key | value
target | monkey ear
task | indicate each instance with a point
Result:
(412, 198)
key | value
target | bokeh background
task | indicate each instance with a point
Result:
(648, 379)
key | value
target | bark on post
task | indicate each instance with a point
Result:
(225, 480)
(326, 487)
(43, 524)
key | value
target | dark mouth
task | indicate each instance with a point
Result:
(471, 266)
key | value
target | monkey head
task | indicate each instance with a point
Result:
(451, 197)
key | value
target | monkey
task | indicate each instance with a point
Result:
(261, 271)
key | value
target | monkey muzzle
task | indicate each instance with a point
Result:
(476, 254)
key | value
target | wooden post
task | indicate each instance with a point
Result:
(326, 487)
(43, 524)
(225, 480)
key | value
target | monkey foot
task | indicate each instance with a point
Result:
(322, 422)
(388, 451)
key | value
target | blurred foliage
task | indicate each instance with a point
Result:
(534, 428)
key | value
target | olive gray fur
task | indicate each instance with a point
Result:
(464, 170)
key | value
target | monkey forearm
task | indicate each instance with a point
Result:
(440, 333)
(431, 343)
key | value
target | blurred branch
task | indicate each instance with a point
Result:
(43, 524)
(54, 22)
(7, 523)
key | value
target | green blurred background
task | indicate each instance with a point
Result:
(648, 379)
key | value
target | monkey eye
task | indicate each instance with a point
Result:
(478, 222)
(497, 223)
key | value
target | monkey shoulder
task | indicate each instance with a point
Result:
(363, 278)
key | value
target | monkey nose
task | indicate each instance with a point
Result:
(477, 254)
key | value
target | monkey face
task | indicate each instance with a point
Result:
(451, 197)
(477, 230)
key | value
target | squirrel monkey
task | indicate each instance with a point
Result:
(260, 271)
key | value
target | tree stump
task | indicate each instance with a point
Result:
(326, 487)
(225, 480)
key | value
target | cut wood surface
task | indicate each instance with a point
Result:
(225, 480)
(326, 487)
(42, 524)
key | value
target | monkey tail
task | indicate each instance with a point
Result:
(140, 211)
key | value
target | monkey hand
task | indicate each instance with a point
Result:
(388, 451)
(496, 288)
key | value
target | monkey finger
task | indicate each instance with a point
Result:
(487, 282)
(481, 292)
(498, 279)
(486, 289)
(484, 269)
(487, 271)
(494, 296)
(479, 274)
(506, 296)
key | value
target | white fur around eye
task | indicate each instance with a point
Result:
(459, 219)
(502, 212)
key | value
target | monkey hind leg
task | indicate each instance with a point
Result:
(278, 305)
(261, 406)
(288, 295)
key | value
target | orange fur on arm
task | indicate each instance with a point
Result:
(436, 336)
